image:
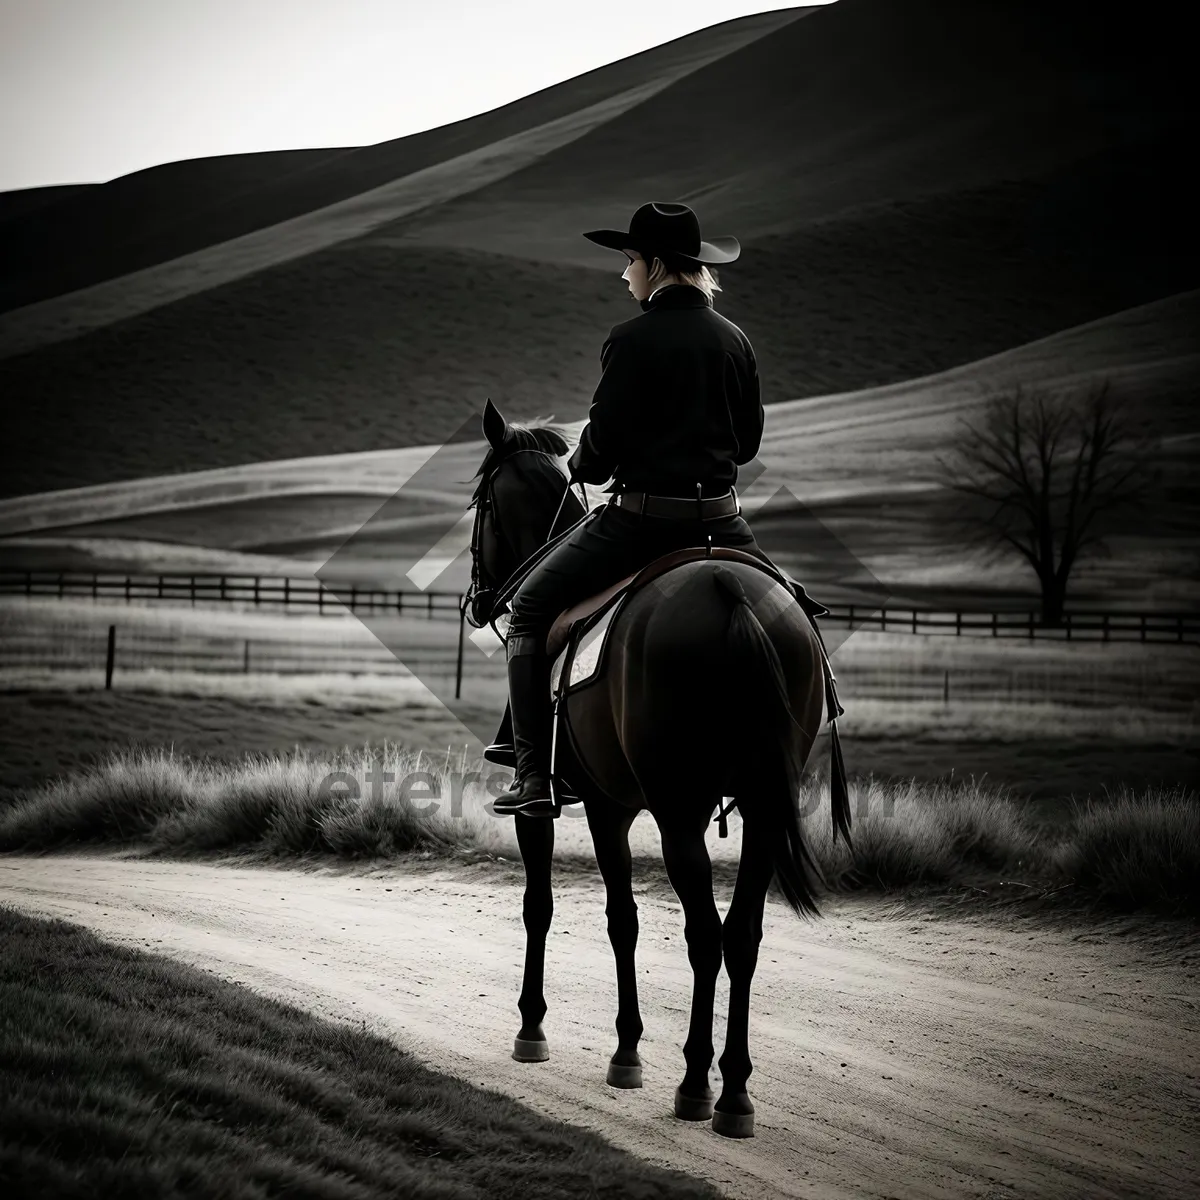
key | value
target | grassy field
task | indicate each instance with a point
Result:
(1050, 720)
(129, 1075)
(975, 669)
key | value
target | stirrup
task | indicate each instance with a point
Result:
(537, 806)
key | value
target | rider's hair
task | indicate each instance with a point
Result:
(662, 267)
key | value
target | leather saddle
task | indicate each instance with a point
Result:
(575, 619)
(573, 624)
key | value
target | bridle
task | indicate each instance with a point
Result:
(479, 600)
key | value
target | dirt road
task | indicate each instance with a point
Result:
(895, 1056)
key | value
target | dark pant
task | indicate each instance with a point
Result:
(610, 544)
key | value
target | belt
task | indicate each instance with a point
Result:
(680, 507)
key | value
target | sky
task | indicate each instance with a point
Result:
(94, 89)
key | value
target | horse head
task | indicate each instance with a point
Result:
(522, 499)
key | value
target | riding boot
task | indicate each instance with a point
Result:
(529, 697)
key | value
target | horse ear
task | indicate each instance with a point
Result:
(495, 427)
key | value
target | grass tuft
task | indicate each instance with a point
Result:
(910, 833)
(1137, 850)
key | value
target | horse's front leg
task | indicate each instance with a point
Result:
(535, 836)
(610, 824)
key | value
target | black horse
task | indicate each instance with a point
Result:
(714, 683)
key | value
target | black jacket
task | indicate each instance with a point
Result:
(678, 402)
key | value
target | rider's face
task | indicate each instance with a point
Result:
(635, 275)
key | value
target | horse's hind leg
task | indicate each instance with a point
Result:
(690, 872)
(610, 835)
(535, 836)
(740, 938)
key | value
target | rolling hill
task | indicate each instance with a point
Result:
(856, 462)
(918, 185)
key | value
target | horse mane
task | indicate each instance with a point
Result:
(538, 434)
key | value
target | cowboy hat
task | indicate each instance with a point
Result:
(663, 228)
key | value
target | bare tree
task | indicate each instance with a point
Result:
(1042, 474)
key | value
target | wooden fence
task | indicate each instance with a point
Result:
(284, 594)
(125, 651)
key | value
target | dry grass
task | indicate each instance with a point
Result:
(1140, 849)
(910, 833)
(128, 1075)
(1137, 850)
(294, 804)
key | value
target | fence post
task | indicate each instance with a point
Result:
(287, 591)
(946, 688)
(429, 605)
(110, 657)
(29, 583)
(850, 618)
(353, 595)
(462, 621)
(958, 622)
(882, 619)
(995, 624)
(320, 598)
(914, 620)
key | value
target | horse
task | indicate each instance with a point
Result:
(714, 685)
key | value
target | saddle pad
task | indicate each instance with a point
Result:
(587, 653)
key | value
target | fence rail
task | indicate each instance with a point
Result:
(258, 591)
(280, 593)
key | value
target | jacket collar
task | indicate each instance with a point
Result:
(676, 295)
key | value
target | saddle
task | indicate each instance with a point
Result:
(575, 643)
(595, 606)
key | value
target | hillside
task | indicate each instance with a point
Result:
(172, 210)
(858, 462)
(917, 186)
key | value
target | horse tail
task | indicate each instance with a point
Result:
(767, 716)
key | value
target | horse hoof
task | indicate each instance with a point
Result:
(528, 1050)
(693, 1108)
(621, 1076)
(733, 1125)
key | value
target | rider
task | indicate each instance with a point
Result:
(676, 412)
